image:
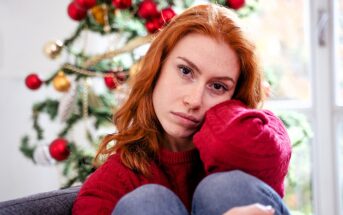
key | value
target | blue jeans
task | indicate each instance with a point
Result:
(215, 194)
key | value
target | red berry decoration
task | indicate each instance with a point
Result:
(166, 15)
(122, 4)
(147, 9)
(235, 4)
(153, 25)
(76, 12)
(85, 4)
(33, 82)
(111, 82)
(59, 149)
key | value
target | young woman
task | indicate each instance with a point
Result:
(198, 62)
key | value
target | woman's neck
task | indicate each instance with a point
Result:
(177, 144)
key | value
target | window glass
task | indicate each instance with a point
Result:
(278, 28)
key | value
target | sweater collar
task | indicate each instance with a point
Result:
(167, 156)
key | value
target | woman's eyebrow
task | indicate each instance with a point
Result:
(191, 64)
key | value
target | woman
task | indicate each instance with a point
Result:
(199, 60)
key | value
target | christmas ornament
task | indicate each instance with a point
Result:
(61, 82)
(111, 82)
(122, 4)
(166, 15)
(59, 149)
(121, 77)
(86, 4)
(153, 25)
(99, 14)
(68, 104)
(33, 82)
(147, 9)
(76, 12)
(41, 155)
(235, 4)
(53, 49)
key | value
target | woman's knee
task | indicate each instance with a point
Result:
(149, 199)
(226, 190)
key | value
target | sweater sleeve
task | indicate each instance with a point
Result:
(102, 190)
(254, 141)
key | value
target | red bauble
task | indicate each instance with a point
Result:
(59, 149)
(235, 4)
(111, 82)
(147, 9)
(76, 12)
(153, 25)
(122, 4)
(85, 4)
(33, 82)
(166, 15)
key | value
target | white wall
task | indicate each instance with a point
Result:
(25, 26)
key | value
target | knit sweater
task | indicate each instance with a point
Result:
(255, 141)
(179, 171)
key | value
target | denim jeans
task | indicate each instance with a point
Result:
(215, 194)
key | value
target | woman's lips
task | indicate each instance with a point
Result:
(186, 119)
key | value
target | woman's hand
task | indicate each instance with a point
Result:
(254, 209)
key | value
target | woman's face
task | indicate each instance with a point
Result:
(199, 73)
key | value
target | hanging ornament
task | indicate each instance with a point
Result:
(53, 49)
(86, 4)
(147, 9)
(153, 25)
(111, 81)
(134, 69)
(85, 93)
(76, 12)
(122, 4)
(235, 4)
(68, 104)
(121, 77)
(99, 14)
(33, 82)
(61, 82)
(41, 155)
(166, 15)
(59, 149)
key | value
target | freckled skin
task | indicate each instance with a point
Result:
(199, 73)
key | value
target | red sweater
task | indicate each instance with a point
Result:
(178, 171)
(254, 141)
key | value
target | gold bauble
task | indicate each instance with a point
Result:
(53, 49)
(134, 69)
(61, 82)
(99, 13)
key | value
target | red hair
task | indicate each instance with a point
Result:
(136, 121)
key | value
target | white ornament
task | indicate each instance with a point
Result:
(42, 156)
(67, 105)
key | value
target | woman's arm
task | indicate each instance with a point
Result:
(254, 141)
(103, 189)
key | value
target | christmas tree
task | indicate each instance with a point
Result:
(133, 23)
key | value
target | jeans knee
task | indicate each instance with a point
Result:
(149, 199)
(226, 190)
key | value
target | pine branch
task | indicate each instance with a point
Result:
(26, 149)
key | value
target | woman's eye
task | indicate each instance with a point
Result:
(185, 71)
(219, 88)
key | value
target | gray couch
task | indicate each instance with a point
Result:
(54, 202)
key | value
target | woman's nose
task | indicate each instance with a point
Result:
(193, 99)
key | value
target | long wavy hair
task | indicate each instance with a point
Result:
(138, 127)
